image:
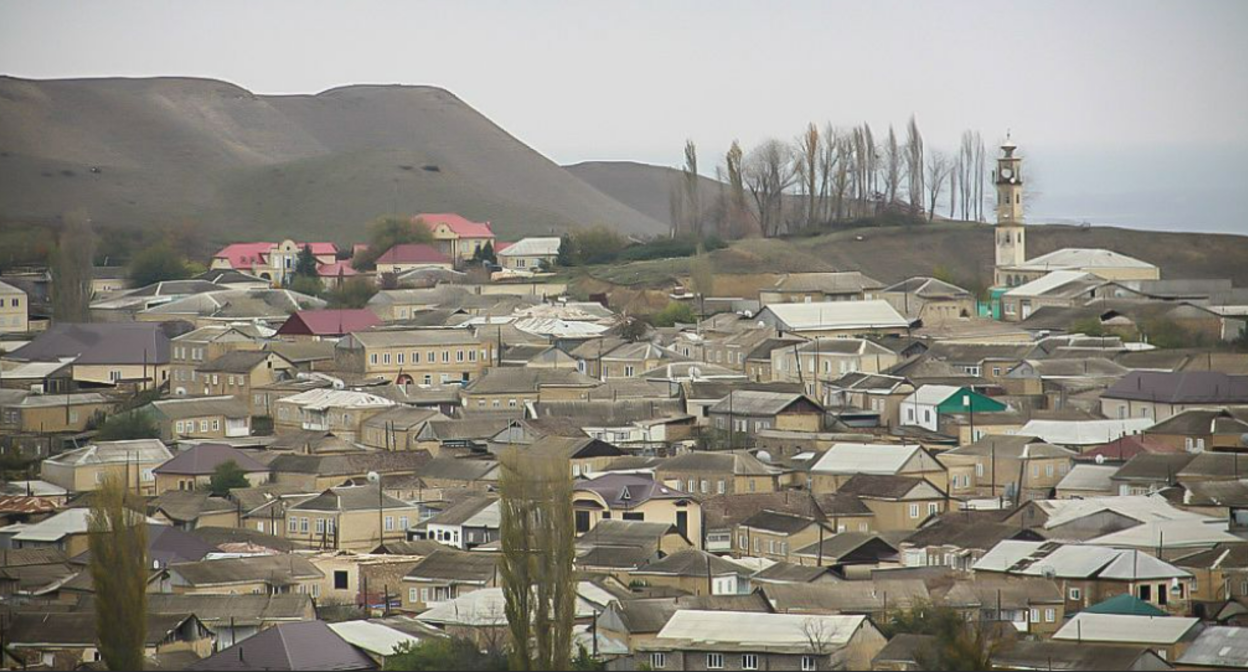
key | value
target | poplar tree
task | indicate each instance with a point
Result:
(118, 544)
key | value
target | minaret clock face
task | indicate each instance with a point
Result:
(1007, 173)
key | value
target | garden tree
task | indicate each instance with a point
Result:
(127, 427)
(443, 653)
(632, 329)
(937, 172)
(305, 264)
(957, 644)
(674, 312)
(692, 199)
(307, 284)
(386, 232)
(72, 263)
(914, 165)
(226, 476)
(892, 167)
(807, 151)
(157, 263)
(568, 255)
(353, 293)
(598, 245)
(767, 173)
(1088, 326)
(537, 532)
(118, 544)
(485, 253)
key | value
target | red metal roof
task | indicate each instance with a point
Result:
(413, 253)
(244, 256)
(500, 246)
(1127, 447)
(17, 504)
(328, 322)
(336, 269)
(464, 228)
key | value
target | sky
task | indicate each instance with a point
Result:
(1128, 112)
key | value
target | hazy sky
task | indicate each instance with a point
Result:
(1132, 112)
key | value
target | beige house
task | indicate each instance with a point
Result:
(14, 309)
(131, 462)
(776, 535)
(898, 502)
(342, 412)
(455, 236)
(28, 413)
(994, 465)
(355, 518)
(514, 387)
(421, 356)
(709, 473)
(258, 574)
(1105, 264)
(530, 254)
(192, 469)
(929, 300)
(820, 287)
(636, 497)
(105, 353)
(818, 363)
(196, 348)
(221, 417)
(235, 374)
(843, 461)
(445, 575)
(836, 319)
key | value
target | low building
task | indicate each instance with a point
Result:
(1014, 466)
(743, 413)
(262, 574)
(407, 256)
(130, 462)
(706, 640)
(236, 374)
(192, 469)
(355, 518)
(220, 417)
(104, 354)
(316, 325)
(635, 497)
(421, 356)
(821, 287)
(719, 472)
(29, 413)
(342, 412)
(834, 319)
(445, 575)
(1157, 396)
(530, 254)
(898, 502)
(14, 309)
(1168, 637)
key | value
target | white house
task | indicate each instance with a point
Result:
(529, 254)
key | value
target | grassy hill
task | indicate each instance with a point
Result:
(643, 187)
(142, 152)
(963, 250)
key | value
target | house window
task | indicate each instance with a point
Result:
(719, 486)
(628, 371)
(1076, 594)
(658, 661)
(933, 508)
(979, 470)
(446, 356)
(203, 425)
(412, 593)
(177, 426)
(430, 356)
(808, 664)
(1035, 615)
(292, 525)
(320, 526)
(401, 355)
(403, 522)
(914, 510)
(389, 523)
(743, 542)
(472, 355)
(340, 579)
(749, 661)
(1050, 615)
(714, 661)
(216, 424)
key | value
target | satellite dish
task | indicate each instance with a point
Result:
(373, 477)
(763, 456)
(1243, 440)
(1049, 573)
(1100, 459)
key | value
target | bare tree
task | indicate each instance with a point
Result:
(821, 638)
(738, 215)
(72, 262)
(537, 535)
(980, 160)
(914, 165)
(768, 171)
(937, 171)
(693, 200)
(828, 163)
(676, 206)
(807, 165)
(892, 167)
(843, 175)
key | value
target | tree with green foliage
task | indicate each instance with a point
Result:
(1165, 332)
(485, 253)
(305, 264)
(538, 538)
(225, 477)
(127, 427)
(353, 293)
(568, 254)
(1088, 326)
(598, 245)
(72, 264)
(633, 329)
(386, 232)
(157, 263)
(443, 653)
(307, 284)
(117, 538)
(674, 312)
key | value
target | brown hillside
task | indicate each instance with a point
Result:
(148, 151)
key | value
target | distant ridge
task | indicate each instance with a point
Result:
(141, 152)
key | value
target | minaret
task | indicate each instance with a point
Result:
(1011, 240)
